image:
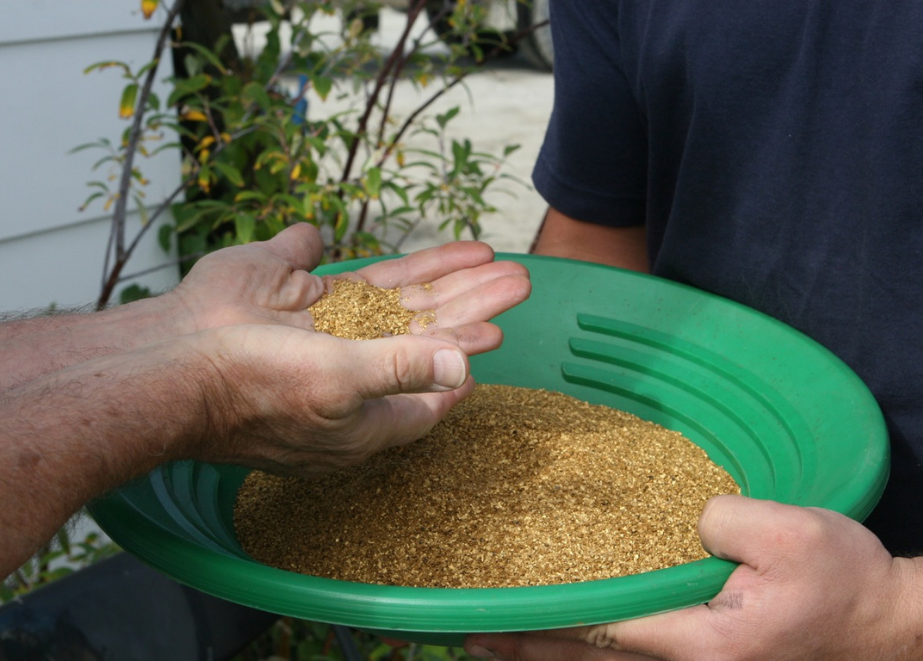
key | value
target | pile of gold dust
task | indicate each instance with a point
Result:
(514, 487)
(357, 310)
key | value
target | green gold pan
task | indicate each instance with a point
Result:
(787, 419)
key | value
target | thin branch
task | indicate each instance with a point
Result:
(383, 75)
(121, 203)
(150, 221)
(386, 110)
(134, 135)
(445, 88)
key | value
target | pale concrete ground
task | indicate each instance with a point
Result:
(507, 102)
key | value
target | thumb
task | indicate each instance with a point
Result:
(407, 364)
(408, 384)
(300, 245)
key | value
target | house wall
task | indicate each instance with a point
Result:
(50, 251)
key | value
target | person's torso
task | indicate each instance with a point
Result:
(785, 171)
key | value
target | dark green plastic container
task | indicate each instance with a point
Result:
(785, 417)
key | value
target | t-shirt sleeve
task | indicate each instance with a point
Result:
(593, 162)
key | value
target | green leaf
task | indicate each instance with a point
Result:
(399, 190)
(230, 173)
(322, 85)
(193, 64)
(422, 164)
(446, 117)
(133, 293)
(165, 236)
(153, 64)
(254, 93)
(369, 241)
(107, 64)
(127, 103)
(105, 159)
(460, 153)
(183, 87)
(353, 190)
(373, 182)
(88, 145)
(142, 209)
(342, 219)
(6, 594)
(207, 54)
(168, 145)
(244, 224)
(94, 196)
(475, 195)
(188, 215)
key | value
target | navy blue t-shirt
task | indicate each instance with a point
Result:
(774, 149)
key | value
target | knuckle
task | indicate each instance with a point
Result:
(601, 636)
(404, 370)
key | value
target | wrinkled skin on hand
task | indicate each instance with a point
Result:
(293, 401)
(812, 584)
(270, 282)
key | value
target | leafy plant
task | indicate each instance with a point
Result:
(67, 552)
(255, 162)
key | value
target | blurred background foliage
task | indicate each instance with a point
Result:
(304, 129)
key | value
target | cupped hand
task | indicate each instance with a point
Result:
(291, 401)
(270, 282)
(256, 283)
(812, 584)
(460, 283)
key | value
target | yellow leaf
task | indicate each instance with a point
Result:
(148, 7)
(295, 171)
(206, 141)
(203, 156)
(226, 137)
(194, 116)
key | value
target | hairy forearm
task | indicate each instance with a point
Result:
(72, 435)
(35, 346)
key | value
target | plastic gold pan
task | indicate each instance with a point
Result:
(785, 417)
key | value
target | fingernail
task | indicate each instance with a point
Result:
(449, 369)
(480, 652)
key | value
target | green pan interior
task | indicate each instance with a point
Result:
(785, 417)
